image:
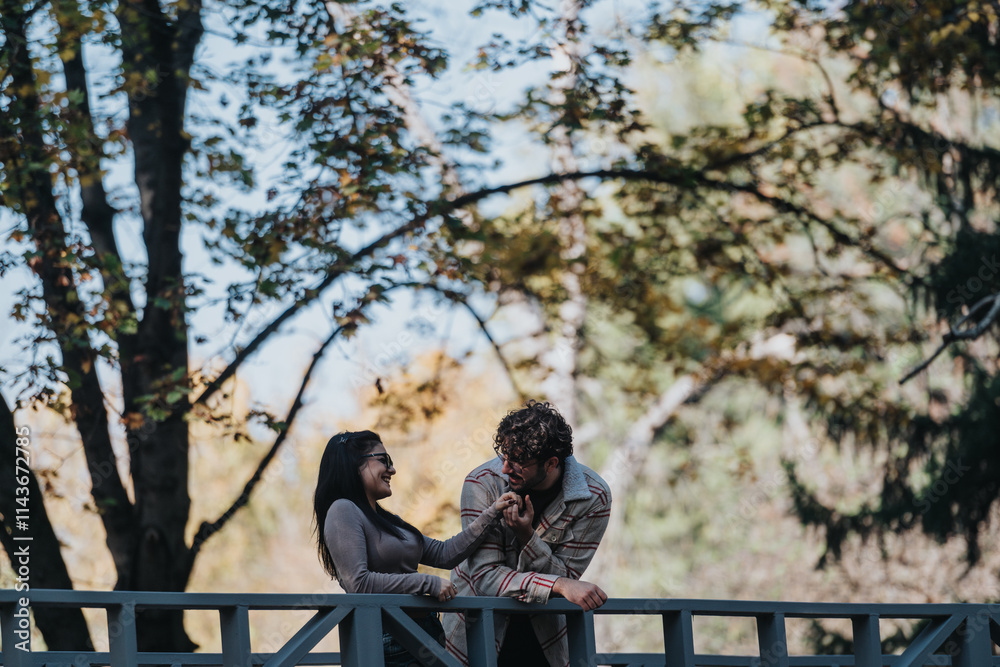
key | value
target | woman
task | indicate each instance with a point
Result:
(370, 550)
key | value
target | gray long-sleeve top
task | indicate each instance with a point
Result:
(368, 560)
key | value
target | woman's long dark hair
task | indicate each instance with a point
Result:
(340, 477)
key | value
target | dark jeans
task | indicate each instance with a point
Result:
(397, 656)
(520, 645)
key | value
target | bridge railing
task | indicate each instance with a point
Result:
(962, 635)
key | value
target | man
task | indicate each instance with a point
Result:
(541, 549)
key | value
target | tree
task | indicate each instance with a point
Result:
(111, 328)
(928, 74)
(115, 329)
(904, 111)
(678, 268)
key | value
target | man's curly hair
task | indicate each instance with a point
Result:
(535, 431)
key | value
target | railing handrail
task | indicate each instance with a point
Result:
(971, 630)
(701, 606)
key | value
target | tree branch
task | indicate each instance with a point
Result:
(623, 466)
(982, 153)
(954, 334)
(97, 213)
(804, 213)
(208, 529)
(743, 157)
(462, 300)
(275, 324)
(687, 178)
(157, 52)
(678, 177)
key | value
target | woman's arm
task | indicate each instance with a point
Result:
(451, 552)
(348, 545)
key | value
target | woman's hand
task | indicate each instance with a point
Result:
(507, 500)
(447, 592)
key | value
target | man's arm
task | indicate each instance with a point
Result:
(540, 565)
(568, 553)
(582, 593)
(486, 570)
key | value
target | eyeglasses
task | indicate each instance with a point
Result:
(517, 466)
(381, 456)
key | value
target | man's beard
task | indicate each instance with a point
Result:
(526, 485)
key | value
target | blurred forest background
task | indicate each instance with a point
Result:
(749, 250)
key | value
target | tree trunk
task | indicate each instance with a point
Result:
(63, 304)
(64, 629)
(621, 469)
(159, 446)
(560, 360)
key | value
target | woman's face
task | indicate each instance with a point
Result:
(376, 472)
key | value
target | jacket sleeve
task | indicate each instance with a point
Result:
(347, 542)
(449, 553)
(539, 563)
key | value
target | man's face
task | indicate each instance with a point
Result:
(525, 476)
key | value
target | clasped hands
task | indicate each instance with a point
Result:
(518, 513)
(519, 517)
(503, 504)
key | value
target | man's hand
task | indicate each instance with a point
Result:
(519, 518)
(584, 594)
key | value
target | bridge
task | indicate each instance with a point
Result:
(962, 635)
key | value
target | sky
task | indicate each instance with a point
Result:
(381, 346)
(389, 342)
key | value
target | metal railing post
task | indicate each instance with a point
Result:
(867, 641)
(974, 643)
(15, 633)
(121, 635)
(582, 640)
(678, 639)
(361, 638)
(772, 641)
(235, 625)
(481, 638)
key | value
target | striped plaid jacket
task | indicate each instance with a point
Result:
(562, 546)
